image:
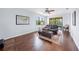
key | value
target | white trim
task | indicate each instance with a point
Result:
(18, 35)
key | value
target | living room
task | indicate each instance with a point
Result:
(12, 26)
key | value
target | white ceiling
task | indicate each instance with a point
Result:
(57, 12)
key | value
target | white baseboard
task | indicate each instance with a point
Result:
(18, 35)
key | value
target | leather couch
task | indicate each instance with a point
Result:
(1, 43)
(49, 30)
(53, 28)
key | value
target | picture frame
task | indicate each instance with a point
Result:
(22, 20)
(74, 18)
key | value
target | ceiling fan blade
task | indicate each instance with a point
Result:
(47, 10)
(52, 10)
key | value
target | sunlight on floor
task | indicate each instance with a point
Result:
(60, 34)
(37, 42)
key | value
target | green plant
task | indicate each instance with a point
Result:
(40, 22)
(56, 21)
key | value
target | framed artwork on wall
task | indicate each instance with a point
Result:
(22, 20)
(74, 18)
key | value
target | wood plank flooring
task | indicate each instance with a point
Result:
(32, 42)
(68, 43)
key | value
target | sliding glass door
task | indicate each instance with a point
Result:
(56, 21)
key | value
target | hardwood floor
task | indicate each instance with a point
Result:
(32, 42)
(68, 43)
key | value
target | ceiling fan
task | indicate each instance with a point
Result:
(47, 10)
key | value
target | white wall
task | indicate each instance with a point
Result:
(66, 19)
(8, 27)
(74, 30)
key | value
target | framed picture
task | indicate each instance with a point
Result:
(22, 20)
(74, 18)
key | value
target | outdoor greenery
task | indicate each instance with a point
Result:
(40, 22)
(56, 21)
